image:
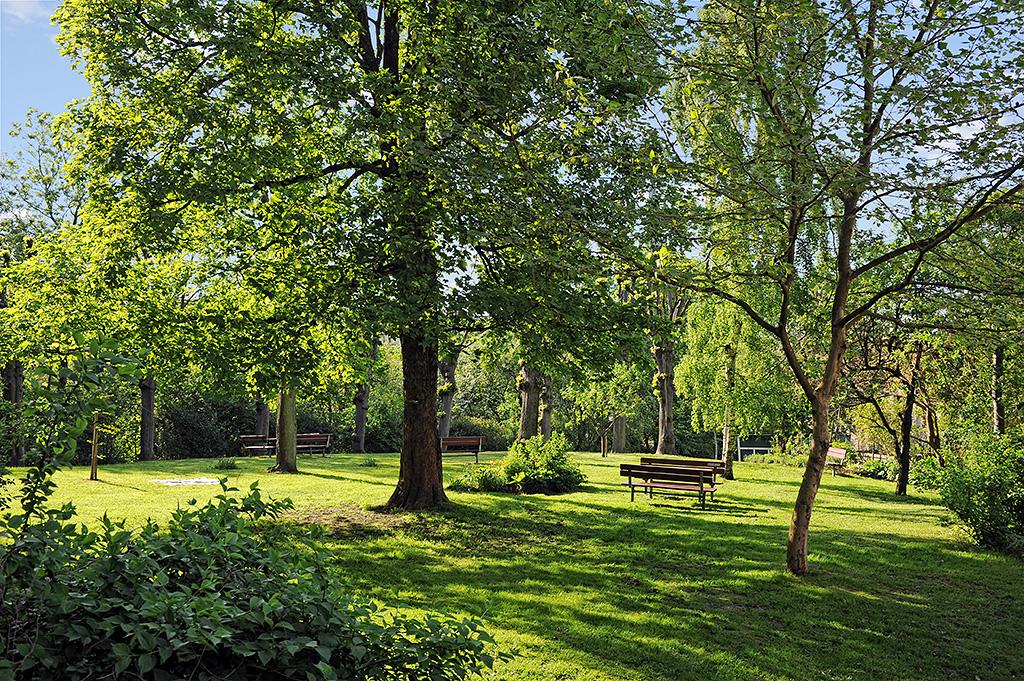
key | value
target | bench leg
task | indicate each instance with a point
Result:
(632, 493)
(702, 495)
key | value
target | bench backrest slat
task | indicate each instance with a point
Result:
(836, 454)
(461, 442)
(713, 464)
(667, 473)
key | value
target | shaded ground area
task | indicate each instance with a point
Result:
(589, 586)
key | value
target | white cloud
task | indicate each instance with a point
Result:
(28, 11)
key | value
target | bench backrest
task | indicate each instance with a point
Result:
(713, 464)
(253, 440)
(700, 476)
(461, 442)
(323, 439)
(835, 454)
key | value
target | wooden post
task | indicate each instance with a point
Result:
(94, 466)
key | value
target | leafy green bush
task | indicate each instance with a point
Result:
(984, 488)
(215, 595)
(482, 478)
(926, 474)
(532, 466)
(497, 434)
(225, 465)
(887, 469)
(537, 466)
(369, 462)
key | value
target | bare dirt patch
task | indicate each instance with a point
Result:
(354, 522)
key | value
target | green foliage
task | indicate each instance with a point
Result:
(483, 478)
(534, 465)
(225, 465)
(368, 462)
(984, 488)
(880, 469)
(192, 601)
(926, 474)
(531, 466)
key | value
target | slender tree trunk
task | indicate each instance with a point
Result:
(287, 460)
(94, 460)
(420, 482)
(998, 407)
(665, 359)
(529, 383)
(361, 400)
(546, 406)
(147, 426)
(13, 378)
(262, 418)
(447, 391)
(603, 438)
(799, 527)
(619, 434)
(730, 382)
(934, 439)
(907, 426)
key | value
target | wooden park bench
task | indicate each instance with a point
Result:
(258, 445)
(463, 445)
(835, 459)
(668, 479)
(312, 443)
(716, 466)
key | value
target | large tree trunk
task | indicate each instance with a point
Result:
(546, 406)
(262, 418)
(730, 382)
(529, 384)
(287, 461)
(361, 400)
(420, 483)
(998, 407)
(619, 434)
(447, 391)
(147, 426)
(799, 527)
(665, 359)
(13, 378)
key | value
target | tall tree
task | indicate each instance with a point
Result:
(847, 143)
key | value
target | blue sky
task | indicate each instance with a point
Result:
(32, 72)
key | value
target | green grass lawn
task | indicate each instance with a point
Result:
(590, 586)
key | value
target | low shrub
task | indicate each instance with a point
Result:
(885, 469)
(783, 458)
(214, 595)
(487, 477)
(225, 465)
(368, 462)
(984, 488)
(533, 466)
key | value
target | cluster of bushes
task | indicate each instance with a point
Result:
(214, 595)
(983, 485)
(879, 469)
(531, 466)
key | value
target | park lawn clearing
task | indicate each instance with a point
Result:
(589, 586)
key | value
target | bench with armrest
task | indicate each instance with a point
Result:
(462, 445)
(667, 480)
(716, 466)
(312, 443)
(835, 459)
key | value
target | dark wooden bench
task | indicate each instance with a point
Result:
(312, 443)
(835, 459)
(668, 479)
(258, 445)
(464, 445)
(716, 466)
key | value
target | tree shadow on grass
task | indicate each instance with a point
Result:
(655, 593)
